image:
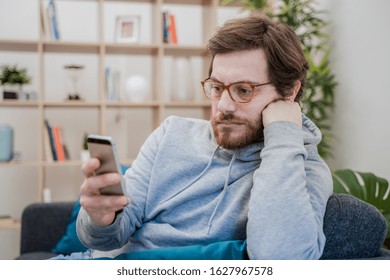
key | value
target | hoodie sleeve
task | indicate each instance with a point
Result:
(288, 199)
(130, 219)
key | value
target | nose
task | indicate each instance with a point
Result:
(226, 103)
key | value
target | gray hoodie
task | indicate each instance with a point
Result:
(185, 189)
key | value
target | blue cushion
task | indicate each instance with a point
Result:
(70, 243)
(223, 250)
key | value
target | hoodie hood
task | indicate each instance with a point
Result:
(311, 135)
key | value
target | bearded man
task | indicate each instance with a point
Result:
(250, 173)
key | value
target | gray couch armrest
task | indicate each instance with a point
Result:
(43, 224)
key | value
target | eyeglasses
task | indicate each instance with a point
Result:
(239, 92)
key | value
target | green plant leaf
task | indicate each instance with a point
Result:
(365, 186)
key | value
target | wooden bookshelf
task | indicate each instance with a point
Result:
(101, 50)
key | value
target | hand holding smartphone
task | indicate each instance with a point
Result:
(104, 149)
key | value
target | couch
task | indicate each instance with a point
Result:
(44, 225)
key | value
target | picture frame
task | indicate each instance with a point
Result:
(127, 29)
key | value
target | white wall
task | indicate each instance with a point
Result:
(361, 59)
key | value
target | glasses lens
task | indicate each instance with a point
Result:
(242, 92)
(213, 89)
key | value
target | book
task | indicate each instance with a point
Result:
(58, 143)
(172, 29)
(169, 28)
(48, 150)
(46, 24)
(66, 152)
(52, 155)
(116, 85)
(112, 84)
(165, 27)
(54, 20)
(109, 83)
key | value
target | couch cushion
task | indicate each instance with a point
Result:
(36, 256)
(69, 242)
(223, 250)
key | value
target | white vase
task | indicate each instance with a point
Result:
(182, 79)
(84, 155)
(137, 88)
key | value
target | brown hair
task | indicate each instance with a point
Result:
(286, 61)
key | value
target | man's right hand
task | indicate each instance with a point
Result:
(100, 208)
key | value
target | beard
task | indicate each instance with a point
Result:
(253, 131)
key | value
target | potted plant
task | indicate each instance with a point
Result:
(12, 78)
(84, 153)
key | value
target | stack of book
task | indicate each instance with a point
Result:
(112, 82)
(55, 148)
(169, 25)
(49, 20)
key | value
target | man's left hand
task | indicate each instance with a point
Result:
(282, 110)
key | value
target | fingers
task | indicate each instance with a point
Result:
(92, 185)
(100, 208)
(88, 168)
(282, 110)
(103, 205)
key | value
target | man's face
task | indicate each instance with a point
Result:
(237, 125)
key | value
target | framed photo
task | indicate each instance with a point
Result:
(127, 29)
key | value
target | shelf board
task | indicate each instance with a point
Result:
(138, 1)
(189, 50)
(18, 103)
(188, 104)
(19, 45)
(110, 48)
(187, 2)
(145, 49)
(65, 163)
(9, 223)
(70, 47)
(20, 164)
(77, 163)
(71, 104)
(117, 104)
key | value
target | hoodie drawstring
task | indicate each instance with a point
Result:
(222, 194)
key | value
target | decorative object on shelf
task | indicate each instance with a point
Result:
(74, 73)
(137, 88)
(13, 78)
(47, 195)
(6, 142)
(182, 88)
(127, 29)
(84, 153)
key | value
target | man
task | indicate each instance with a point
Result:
(251, 173)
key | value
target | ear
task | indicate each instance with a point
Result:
(295, 91)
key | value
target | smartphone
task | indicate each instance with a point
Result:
(104, 149)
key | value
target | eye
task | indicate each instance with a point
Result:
(243, 89)
(215, 87)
